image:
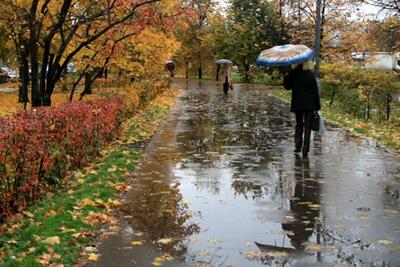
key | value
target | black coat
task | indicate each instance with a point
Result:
(305, 96)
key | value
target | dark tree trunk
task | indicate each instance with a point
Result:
(247, 72)
(218, 69)
(106, 73)
(88, 83)
(75, 85)
(200, 68)
(332, 97)
(24, 79)
(37, 97)
(187, 69)
(389, 99)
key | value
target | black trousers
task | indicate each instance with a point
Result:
(226, 85)
(303, 126)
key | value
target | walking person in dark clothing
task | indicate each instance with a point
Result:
(305, 100)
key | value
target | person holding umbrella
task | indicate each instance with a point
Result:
(305, 101)
(224, 66)
(302, 82)
(170, 67)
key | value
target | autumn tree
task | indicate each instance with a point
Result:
(385, 34)
(194, 50)
(253, 26)
(48, 34)
(138, 48)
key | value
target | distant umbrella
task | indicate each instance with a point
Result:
(169, 62)
(285, 55)
(224, 61)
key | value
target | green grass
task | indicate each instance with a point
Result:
(387, 134)
(63, 208)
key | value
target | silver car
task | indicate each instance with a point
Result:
(12, 74)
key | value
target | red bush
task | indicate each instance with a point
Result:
(38, 147)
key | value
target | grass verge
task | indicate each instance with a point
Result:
(58, 230)
(385, 134)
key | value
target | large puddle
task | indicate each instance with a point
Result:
(219, 185)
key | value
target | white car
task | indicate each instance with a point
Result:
(12, 74)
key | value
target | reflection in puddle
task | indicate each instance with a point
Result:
(158, 211)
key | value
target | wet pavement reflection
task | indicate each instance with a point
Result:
(219, 185)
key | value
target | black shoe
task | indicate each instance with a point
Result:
(305, 154)
(297, 151)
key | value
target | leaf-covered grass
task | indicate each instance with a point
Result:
(56, 230)
(386, 134)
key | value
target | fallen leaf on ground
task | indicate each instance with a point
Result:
(86, 202)
(385, 242)
(54, 240)
(50, 213)
(137, 242)
(93, 257)
(277, 254)
(160, 260)
(165, 241)
(252, 255)
(29, 214)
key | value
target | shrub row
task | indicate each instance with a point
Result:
(38, 147)
(362, 93)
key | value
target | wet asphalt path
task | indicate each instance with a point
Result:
(220, 185)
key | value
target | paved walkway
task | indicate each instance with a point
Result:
(220, 185)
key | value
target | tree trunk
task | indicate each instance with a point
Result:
(187, 69)
(88, 82)
(332, 97)
(200, 68)
(37, 97)
(75, 85)
(23, 79)
(247, 72)
(389, 99)
(218, 69)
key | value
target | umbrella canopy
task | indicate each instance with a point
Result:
(224, 61)
(169, 62)
(285, 55)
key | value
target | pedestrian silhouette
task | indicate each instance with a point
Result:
(305, 101)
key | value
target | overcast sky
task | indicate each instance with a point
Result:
(368, 9)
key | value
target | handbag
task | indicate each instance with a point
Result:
(315, 121)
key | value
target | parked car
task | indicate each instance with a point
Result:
(12, 74)
(378, 60)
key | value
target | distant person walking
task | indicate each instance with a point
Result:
(305, 101)
(226, 75)
(170, 67)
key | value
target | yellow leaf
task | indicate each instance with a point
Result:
(93, 257)
(385, 242)
(50, 213)
(277, 254)
(137, 243)
(86, 202)
(214, 241)
(54, 240)
(29, 214)
(165, 241)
